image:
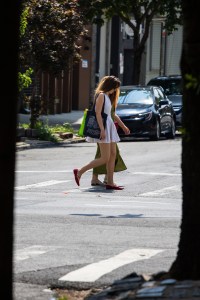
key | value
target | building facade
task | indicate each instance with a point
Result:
(108, 50)
(161, 57)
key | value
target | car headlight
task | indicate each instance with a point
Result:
(147, 116)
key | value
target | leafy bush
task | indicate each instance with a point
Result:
(24, 79)
(45, 132)
(48, 133)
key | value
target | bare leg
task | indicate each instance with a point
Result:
(105, 155)
(95, 180)
(111, 164)
(105, 179)
(94, 177)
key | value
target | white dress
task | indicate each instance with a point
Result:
(110, 130)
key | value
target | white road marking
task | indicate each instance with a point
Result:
(103, 205)
(162, 192)
(32, 251)
(40, 184)
(128, 201)
(156, 174)
(70, 171)
(43, 171)
(94, 271)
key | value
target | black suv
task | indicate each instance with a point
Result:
(172, 86)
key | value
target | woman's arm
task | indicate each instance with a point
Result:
(98, 109)
(121, 124)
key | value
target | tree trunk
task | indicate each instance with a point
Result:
(35, 101)
(138, 50)
(9, 93)
(187, 262)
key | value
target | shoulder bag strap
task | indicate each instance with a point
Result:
(93, 108)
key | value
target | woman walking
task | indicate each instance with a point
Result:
(101, 170)
(108, 91)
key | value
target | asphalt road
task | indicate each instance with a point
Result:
(82, 237)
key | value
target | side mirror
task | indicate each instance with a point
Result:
(163, 102)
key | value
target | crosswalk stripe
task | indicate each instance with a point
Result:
(32, 251)
(162, 192)
(94, 271)
(40, 184)
(70, 171)
(43, 171)
(156, 174)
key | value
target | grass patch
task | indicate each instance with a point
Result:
(66, 127)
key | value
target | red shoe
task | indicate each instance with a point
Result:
(114, 187)
(77, 179)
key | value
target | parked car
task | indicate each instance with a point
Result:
(172, 86)
(146, 111)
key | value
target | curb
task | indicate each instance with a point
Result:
(31, 143)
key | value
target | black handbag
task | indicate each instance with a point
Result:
(91, 124)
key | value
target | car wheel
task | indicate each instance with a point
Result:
(172, 133)
(156, 136)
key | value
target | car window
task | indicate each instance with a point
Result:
(161, 95)
(174, 88)
(122, 96)
(136, 96)
(121, 99)
(170, 86)
(157, 95)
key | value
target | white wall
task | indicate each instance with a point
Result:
(105, 46)
(170, 58)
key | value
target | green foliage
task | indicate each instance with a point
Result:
(45, 132)
(142, 11)
(66, 127)
(172, 12)
(23, 22)
(49, 36)
(50, 41)
(24, 125)
(136, 14)
(48, 133)
(24, 79)
(192, 83)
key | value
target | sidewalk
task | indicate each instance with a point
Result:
(74, 118)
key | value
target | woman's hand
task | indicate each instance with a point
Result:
(102, 134)
(122, 125)
(126, 130)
